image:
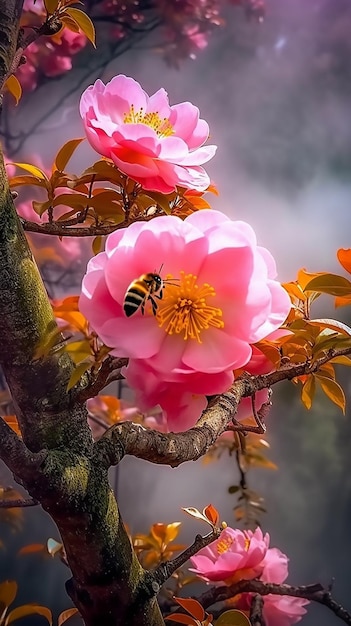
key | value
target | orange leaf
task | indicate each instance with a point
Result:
(32, 169)
(308, 391)
(8, 591)
(183, 619)
(32, 548)
(65, 153)
(13, 86)
(344, 257)
(303, 277)
(212, 514)
(66, 615)
(16, 181)
(342, 301)
(192, 606)
(28, 609)
(51, 6)
(11, 420)
(333, 390)
(98, 244)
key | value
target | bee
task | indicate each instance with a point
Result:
(146, 287)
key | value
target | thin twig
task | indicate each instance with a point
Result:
(256, 616)
(19, 503)
(165, 570)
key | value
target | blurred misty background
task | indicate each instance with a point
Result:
(277, 96)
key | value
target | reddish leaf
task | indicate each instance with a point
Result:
(212, 514)
(192, 606)
(183, 619)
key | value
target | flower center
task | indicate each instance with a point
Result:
(184, 309)
(161, 125)
(223, 545)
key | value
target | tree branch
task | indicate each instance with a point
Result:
(102, 378)
(314, 593)
(256, 617)
(19, 503)
(18, 458)
(176, 448)
(166, 569)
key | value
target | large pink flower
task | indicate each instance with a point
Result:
(225, 297)
(234, 556)
(156, 144)
(222, 298)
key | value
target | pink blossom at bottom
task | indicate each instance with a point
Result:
(277, 610)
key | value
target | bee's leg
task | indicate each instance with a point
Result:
(154, 305)
(159, 296)
(142, 307)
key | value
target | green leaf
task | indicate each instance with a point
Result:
(332, 284)
(233, 618)
(234, 489)
(84, 22)
(78, 373)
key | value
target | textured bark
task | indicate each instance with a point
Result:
(10, 11)
(55, 460)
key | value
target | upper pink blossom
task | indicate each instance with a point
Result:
(158, 145)
(236, 555)
(222, 298)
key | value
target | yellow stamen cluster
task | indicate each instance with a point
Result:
(223, 545)
(161, 126)
(184, 309)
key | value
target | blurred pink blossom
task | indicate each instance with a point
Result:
(236, 555)
(158, 145)
(63, 251)
(49, 56)
(208, 317)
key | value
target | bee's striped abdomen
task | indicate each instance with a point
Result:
(140, 291)
(135, 297)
